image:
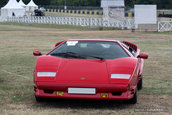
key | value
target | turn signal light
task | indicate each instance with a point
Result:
(104, 95)
(59, 93)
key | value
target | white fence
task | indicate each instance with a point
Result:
(2, 19)
(164, 26)
(78, 21)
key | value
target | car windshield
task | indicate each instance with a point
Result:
(89, 50)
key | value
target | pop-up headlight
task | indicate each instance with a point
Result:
(46, 74)
(120, 76)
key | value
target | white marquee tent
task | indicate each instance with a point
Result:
(21, 3)
(12, 8)
(31, 6)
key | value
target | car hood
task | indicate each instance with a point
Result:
(83, 70)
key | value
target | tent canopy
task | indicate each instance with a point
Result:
(12, 8)
(31, 3)
(21, 3)
(31, 6)
(12, 4)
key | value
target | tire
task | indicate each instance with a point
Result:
(140, 84)
(40, 99)
(133, 100)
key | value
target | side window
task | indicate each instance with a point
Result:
(129, 49)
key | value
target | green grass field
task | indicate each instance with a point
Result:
(18, 41)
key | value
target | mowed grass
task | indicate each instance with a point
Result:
(18, 41)
(61, 27)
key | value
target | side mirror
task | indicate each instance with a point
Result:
(37, 53)
(143, 55)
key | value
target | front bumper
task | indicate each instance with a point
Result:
(114, 91)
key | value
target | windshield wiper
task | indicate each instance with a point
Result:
(68, 54)
(100, 58)
(75, 55)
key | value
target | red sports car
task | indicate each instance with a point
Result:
(90, 69)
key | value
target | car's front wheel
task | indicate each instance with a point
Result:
(140, 84)
(133, 100)
(40, 99)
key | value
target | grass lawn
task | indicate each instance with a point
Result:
(18, 41)
(61, 27)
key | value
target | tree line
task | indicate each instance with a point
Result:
(162, 4)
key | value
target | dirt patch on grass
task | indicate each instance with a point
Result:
(147, 104)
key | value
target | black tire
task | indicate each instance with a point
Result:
(140, 84)
(40, 99)
(133, 100)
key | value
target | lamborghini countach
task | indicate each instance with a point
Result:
(90, 69)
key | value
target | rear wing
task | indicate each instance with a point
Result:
(131, 45)
(57, 44)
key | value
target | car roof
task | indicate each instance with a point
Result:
(92, 40)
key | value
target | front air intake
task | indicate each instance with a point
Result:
(48, 91)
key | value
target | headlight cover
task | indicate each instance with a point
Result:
(46, 74)
(120, 76)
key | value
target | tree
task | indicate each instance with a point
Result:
(3, 2)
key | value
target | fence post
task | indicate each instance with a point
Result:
(158, 26)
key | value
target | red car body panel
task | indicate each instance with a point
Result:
(87, 73)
